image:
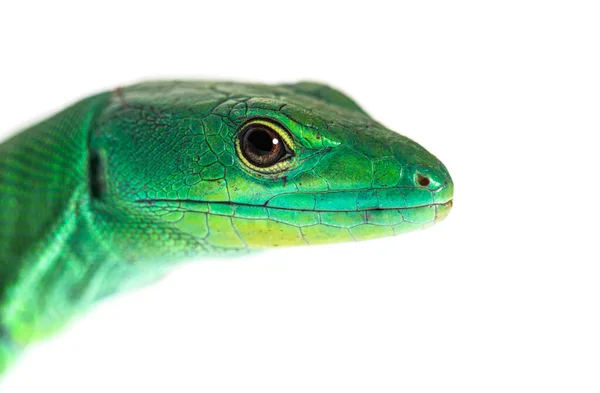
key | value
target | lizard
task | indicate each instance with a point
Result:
(111, 192)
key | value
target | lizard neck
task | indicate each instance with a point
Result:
(43, 194)
(61, 249)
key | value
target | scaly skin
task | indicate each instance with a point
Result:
(109, 193)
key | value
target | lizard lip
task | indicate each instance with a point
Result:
(443, 210)
(383, 199)
(443, 206)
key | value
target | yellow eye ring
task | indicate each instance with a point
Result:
(264, 146)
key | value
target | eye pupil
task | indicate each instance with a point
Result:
(262, 141)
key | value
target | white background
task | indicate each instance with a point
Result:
(502, 296)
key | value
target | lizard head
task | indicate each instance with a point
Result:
(240, 166)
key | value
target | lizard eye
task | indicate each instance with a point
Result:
(263, 145)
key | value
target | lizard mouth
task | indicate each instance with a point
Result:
(436, 211)
(298, 218)
(342, 201)
(193, 202)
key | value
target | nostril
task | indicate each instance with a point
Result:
(422, 180)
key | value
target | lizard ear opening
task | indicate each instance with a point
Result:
(325, 93)
(96, 174)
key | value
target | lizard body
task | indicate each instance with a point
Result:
(110, 192)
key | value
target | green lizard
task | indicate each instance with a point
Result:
(109, 193)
